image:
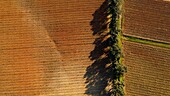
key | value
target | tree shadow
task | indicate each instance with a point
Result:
(98, 74)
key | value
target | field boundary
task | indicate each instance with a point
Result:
(146, 41)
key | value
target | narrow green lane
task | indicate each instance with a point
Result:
(146, 41)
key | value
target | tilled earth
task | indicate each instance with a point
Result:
(45, 46)
(148, 70)
(148, 19)
(148, 66)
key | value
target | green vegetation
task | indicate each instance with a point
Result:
(146, 41)
(115, 53)
(106, 74)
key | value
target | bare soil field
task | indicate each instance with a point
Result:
(148, 66)
(24, 59)
(148, 19)
(148, 70)
(45, 46)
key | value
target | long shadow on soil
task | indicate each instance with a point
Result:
(97, 75)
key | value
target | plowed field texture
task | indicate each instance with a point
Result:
(48, 48)
(148, 66)
(148, 19)
(45, 46)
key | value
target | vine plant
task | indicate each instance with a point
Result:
(117, 69)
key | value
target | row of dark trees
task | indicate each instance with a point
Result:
(115, 53)
(105, 76)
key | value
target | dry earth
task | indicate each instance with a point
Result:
(148, 66)
(45, 46)
(148, 70)
(148, 19)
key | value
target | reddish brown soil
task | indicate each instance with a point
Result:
(148, 19)
(148, 66)
(45, 46)
(148, 70)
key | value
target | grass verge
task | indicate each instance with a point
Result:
(146, 41)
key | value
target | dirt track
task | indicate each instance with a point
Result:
(45, 46)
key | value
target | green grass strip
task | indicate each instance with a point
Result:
(146, 41)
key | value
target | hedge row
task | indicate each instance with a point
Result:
(115, 53)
